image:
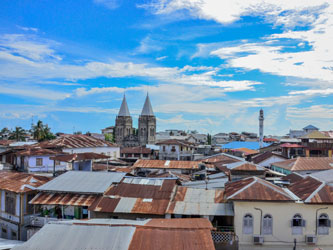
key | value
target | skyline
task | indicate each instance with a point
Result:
(207, 65)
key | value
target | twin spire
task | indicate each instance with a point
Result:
(147, 109)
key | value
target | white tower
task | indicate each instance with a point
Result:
(261, 128)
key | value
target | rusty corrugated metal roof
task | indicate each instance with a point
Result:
(221, 159)
(255, 189)
(194, 201)
(166, 164)
(79, 157)
(32, 151)
(63, 199)
(306, 163)
(248, 167)
(136, 195)
(20, 182)
(76, 141)
(135, 150)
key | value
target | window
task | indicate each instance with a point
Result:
(4, 233)
(14, 235)
(173, 149)
(30, 207)
(267, 224)
(163, 148)
(39, 161)
(297, 224)
(57, 163)
(10, 203)
(323, 224)
(248, 224)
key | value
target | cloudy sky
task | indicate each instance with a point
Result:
(208, 65)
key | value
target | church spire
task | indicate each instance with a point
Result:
(147, 108)
(124, 108)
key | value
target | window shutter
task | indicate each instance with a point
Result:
(291, 223)
(250, 222)
(303, 223)
(245, 223)
(328, 223)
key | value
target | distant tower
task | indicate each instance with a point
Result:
(123, 123)
(147, 124)
(261, 128)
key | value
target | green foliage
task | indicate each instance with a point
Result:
(18, 134)
(108, 137)
(209, 139)
(42, 132)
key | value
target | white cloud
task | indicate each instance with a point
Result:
(27, 28)
(313, 92)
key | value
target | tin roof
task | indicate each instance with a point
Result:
(135, 150)
(255, 189)
(244, 166)
(221, 159)
(20, 182)
(316, 135)
(109, 234)
(176, 142)
(306, 164)
(166, 164)
(82, 182)
(63, 199)
(76, 141)
(264, 156)
(291, 145)
(194, 201)
(246, 151)
(34, 151)
(136, 195)
(79, 157)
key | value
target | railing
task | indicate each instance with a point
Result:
(223, 237)
(225, 228)
(39, 221)
(319, 145)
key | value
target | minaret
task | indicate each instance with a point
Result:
(123, 123)
(261, 128)
(147, 124)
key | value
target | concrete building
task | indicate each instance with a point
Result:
(261, 128)
(147, 124)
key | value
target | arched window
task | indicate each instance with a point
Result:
(248, 224)
(267, 224)
(323, 224)
(297, 224)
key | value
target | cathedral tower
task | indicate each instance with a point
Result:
(147, 124)
(123, 123)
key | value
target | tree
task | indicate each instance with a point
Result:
(209, 139)
(18, 134)
(4, 133)
(108, 137)
(42, 132)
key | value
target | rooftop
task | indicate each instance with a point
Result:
(110, 234)
(79, 157)
(82, 182)
(20, 182)
(166, 164)
(306, 164)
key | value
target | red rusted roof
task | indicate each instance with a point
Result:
(20, 182)
(220, 159)
(264, 156)
(248, 167)
(293, 177)
(76, 141)
(172, 234)
(34, 151)
(165, 164)
(246, 151)
(63, 199)
(176, 142)
(79, 157)
(135, 150)
(6, 142)
(270, 140)
(149, 196)
(306, 164)
(255, 189)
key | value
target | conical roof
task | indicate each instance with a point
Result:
(124, 108)
(147, 108)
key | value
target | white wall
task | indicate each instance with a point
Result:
(113, 152)
(282, 213)
(47, 164)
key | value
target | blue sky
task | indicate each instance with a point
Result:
(207, 65)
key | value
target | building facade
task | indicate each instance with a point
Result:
(126, 136)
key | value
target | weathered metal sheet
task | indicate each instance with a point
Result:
(63, 199)
(166, 164)
(83, 182)
(21, 182)
(125, 205)
(73, 236)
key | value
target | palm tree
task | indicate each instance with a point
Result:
(18, 134)
(42, 132)
(4, 133)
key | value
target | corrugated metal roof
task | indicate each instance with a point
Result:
(63, 199)
(264, 156)
(21, 182)
(84, 237)
(255, 189)
(244, 144)
(79, 157)
(136, 195)
(103, 234)
(306, 164)
(192, 201)
(83, 182)
(75, 141)
(209, 184)
(166, 164)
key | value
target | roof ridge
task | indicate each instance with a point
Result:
(295, 164)
(243, 188)
(323, 184)
(273, 188)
